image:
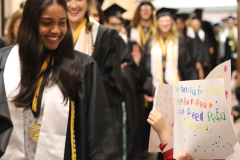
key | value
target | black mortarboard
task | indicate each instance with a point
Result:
(198, 10)
(231, 18)
(114, 10)
(216, 24)
(166, 12)
(182, 16)
(197, 14)
(224, 20)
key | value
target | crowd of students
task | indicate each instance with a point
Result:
(105, 69)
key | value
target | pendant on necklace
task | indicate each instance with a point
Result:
(35, 131)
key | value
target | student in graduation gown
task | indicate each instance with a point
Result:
(142, 23)
(103, 44)
(228, 43)
(168, 54)
(142, 27)
(202, 41)
(208, 29)
(202, 44)
(197, 71)
(130, 76)
(52, 103)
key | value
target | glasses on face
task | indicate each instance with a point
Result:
(148, 8)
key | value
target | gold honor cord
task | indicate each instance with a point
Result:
(35, 129)
(35, 99)
(143, 38)
(164, 46)
(78, 31)
(72, 132)
(231, 40)
(164, 51)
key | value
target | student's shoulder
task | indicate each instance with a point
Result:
(84, 59)
(106, 31)
(4, 52)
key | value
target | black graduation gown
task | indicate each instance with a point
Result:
(107, 55)
(184, 60)
(3, 43)
(229, 54)
(207, 27)
(94, 132)
(202, 51)
(192, 71)
(130, 79)
(109, 48)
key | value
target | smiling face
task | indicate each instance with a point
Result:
(52, 26)
(165, 24)
(146, 11)
(76, 10)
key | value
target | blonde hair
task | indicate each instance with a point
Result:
(89, 24)
(157, 33)
(10, 36)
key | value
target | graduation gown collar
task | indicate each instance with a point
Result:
(86, 39)
(51, 144)
(235, 33)
(191, 33)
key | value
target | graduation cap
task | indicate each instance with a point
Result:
(225, 20)
(166, 12)
(198, 10)
(182, 16)
(231, 18)
(114, 10)
(197, 14)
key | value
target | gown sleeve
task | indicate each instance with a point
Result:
(206, 57)
(3, 43)
(108, 55)
(146, 69)
(130, 73)
(95, 136)
(185, 64)
(6, 125)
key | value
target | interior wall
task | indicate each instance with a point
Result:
(129, 5)
(16, 5)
